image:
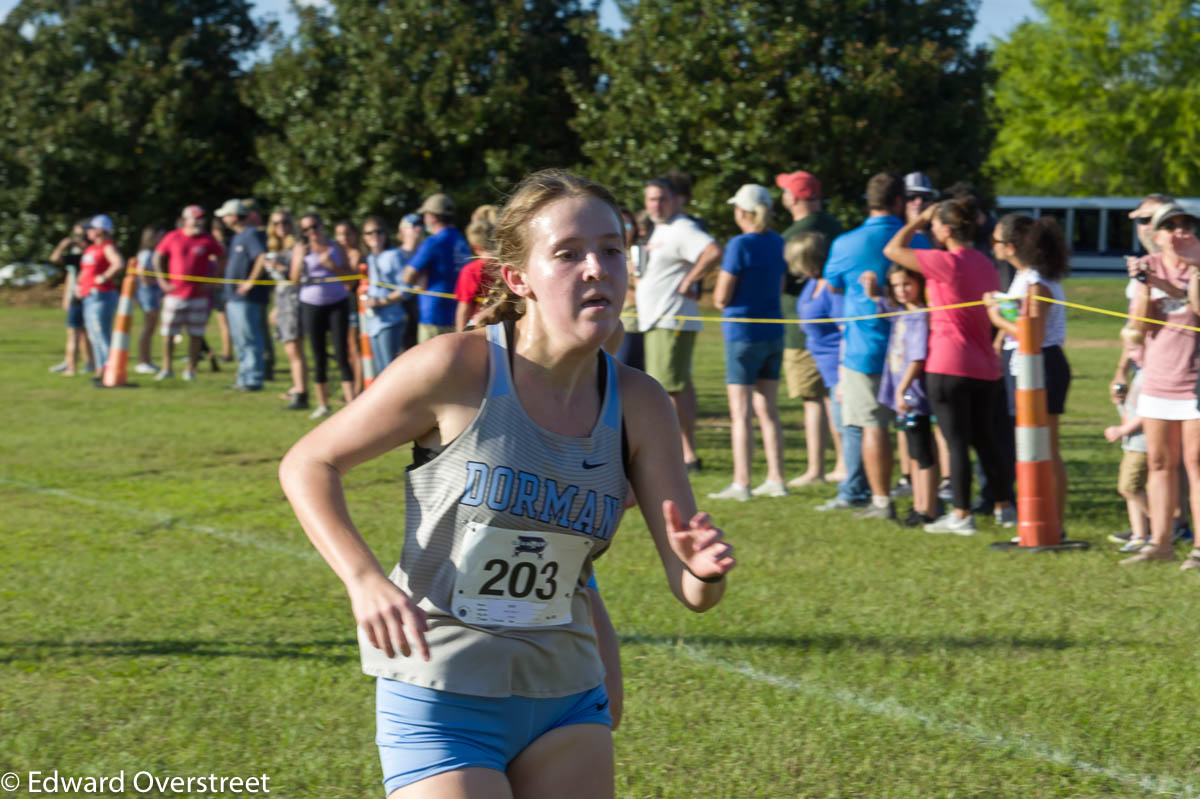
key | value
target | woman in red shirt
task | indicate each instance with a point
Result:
(97, 287)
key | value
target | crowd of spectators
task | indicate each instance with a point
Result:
(942, 378)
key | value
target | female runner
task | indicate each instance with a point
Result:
(490, 684)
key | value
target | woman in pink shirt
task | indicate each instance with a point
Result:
(963, 378)
(1167, 405)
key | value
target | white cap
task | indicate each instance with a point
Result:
(750, 196)
(101, 222)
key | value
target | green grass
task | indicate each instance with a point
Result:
(160, 610)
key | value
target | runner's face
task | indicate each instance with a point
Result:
(576, 269)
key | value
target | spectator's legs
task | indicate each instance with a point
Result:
(815, 426)
(855, 487)
(1163, 445)
(685, 407)
(339, 328)
(766, 407)
(877, 459)
(833, 415)
(741, 436)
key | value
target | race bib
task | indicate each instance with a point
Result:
(513, 578)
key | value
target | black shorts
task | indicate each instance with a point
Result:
(1057, 378)
(920, 443)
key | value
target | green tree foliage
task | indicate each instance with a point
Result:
(1099, 98)
(127, 107)
(738, 92)
(378, 103)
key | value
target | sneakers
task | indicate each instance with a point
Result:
(804, 480)
(145, 368)
(732, 491)
(951, 523)
(164, 374)
(915, 519)
(299, 402)
(770, 489)
(837, 503)
(876, 512)
(320, 412)
(1006, 517)
(1121, 538)
(1191, 562)
(1150, 554)
(1134, 545)
(59, 367)
(903, 488)
(945, 492)
(189, 374)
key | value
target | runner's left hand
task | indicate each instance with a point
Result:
(699, 544)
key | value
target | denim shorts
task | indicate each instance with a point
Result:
(75, 313)
(149, 297)
(422, 732)
(747, 362)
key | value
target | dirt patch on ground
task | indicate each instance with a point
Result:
(43, 295)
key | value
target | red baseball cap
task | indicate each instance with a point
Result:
(193, 212)
(802, 185)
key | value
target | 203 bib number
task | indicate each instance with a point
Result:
(522, 578)
(517, 578)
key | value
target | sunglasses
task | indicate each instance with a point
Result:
(911, 197)
(372, 232)
(1186, 225)
(998, 241)
(309, 228)
(1142, 220)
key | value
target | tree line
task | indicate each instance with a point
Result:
(137, 108)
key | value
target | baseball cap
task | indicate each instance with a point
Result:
(234, 207)
(101, 222)
(413, 219)
(918, 183)
(802, 185)
(439, 204)
(1151, 199)
(1168, 210)
(750, 196)
(252, 204)
(192, 211)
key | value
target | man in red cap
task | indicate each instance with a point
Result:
(189, 251)
(802, 199)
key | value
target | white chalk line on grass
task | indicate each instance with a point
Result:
(167, 520)
(890, 708)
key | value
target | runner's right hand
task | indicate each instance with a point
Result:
(392, 621)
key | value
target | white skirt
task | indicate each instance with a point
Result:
(1172, 410)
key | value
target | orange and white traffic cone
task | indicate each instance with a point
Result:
(368, 360)
(1038, 527)
(118, 351)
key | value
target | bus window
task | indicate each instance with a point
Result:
(1120, 232)
(1085, 237)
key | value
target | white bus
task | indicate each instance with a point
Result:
(1098, 229)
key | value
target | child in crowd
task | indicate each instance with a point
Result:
(902, 385)
(1131, 480)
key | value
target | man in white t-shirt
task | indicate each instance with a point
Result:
(678, 256)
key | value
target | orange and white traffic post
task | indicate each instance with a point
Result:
(1038, 527)
(367, 359)
(118, 351)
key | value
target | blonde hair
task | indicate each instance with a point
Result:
(274, 242)
(511, 245)
(760, 217)
(805, 254)
(483, 228)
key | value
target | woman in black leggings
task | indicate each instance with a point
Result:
(318, 264)
(962, 372)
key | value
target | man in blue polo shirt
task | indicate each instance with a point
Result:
(436, 265)
(865, 444)
(245, 303)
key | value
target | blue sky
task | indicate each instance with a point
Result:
(996, 17)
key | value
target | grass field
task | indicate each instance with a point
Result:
(162, 611)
